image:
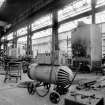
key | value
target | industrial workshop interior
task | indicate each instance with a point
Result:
(52, 52)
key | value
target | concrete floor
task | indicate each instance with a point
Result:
(10, 94)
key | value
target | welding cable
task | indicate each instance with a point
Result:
(71, 82)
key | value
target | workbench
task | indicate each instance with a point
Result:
(13, 70)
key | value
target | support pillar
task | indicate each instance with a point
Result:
(0, 43)
(14, 39)
(93, 5)
(55, 41)
(5, 45)
(29, 41)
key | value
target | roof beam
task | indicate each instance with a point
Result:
(34, 8)
(99, 9)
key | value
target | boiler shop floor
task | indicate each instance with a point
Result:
(10, 94)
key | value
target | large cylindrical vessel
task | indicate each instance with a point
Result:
(56, 75)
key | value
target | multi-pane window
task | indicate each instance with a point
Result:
(2, 39)
(41, 41)
(86, 20)
(67, 26)
(10, 44)
(2, 46)
(10, 36)
(22, 46)
(100, 3)
(22, 41)
(102, 29)
(73, 9)
(22, 31)
(42, 22)
(43, 33)
(100, 17)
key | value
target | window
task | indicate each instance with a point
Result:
(72, 9)
(86, 20)
(67, 26)
(22, 31)
(42, 22)
(71, 25)
(100, 3)
(10, 36)
(103, 28)
(2, 39)
(22, 46)
(2, 46)
(100, 17)
(10, 44)
(41, 41)
(22, 40)
(42, 33)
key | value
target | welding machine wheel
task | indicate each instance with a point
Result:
(31, 88)
(54, 97)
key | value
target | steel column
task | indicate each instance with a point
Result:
(93, 5)
(14, 39)
(29, 41)
(55, 41)
(5, 44)
(0, 43)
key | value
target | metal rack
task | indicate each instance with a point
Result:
(13, 70)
